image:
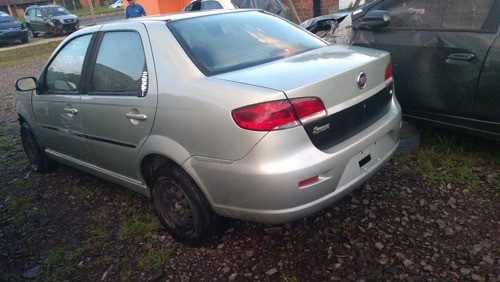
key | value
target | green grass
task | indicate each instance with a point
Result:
(57, 264)
(26, 54)
(451, 158)
(138, 224)
(155, 256)
(97, 11)
(22, 205)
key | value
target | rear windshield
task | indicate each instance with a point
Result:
(227, 42)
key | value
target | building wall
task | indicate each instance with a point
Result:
(304, 8)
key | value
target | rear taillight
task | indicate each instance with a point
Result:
(279, 114)
(388, 74)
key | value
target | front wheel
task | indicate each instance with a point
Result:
(31, 32)
(48, 31)
(36, 155)
(181, 206)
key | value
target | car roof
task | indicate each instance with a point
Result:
(41, 6)
(188, 15)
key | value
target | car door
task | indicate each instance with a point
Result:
(119, 106)
(487, 103)
(56, 103)
(438, 49)
(37, 21)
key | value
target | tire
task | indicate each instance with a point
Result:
(36, 155)
(181, 206)
(48, 32)
(31, 32)
(24, 40)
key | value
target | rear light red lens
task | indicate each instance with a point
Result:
(278, 114)
(309, 108)
(388, 71)
(308, 181)
(265, 116)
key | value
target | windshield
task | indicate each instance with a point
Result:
(227, 42)
(4, 18)
(54, 11)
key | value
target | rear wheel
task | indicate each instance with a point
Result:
(36, 155)
(181, 206)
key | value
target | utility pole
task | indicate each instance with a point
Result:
(91, 7)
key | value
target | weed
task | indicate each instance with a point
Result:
(154, 257)
(138, 224)
(22, 207)
(126, 274)
(57, 265)
(289, 279)
(447, 158)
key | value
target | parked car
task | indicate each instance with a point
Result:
(445, 54)
(274, 6)
(117, 4)
(50, 20)
(11, 29)
(197, 5)
(235, 113)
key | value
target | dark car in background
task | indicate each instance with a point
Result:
(445, 54)
(50, 20)
(11, 29)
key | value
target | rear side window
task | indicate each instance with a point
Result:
(227, 42)
(437, 14)
(120, 65)
(64, 72)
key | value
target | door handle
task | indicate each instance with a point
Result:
(461, 56)
(71, 111)
(136, 116)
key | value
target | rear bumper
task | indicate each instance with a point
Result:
(263, 186)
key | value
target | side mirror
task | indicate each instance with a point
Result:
(26, 84)
(375, 19)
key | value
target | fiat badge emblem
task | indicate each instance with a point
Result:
(361, 80)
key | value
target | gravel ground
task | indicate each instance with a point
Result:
(398, 226)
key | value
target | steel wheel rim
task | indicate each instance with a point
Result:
(174, 206)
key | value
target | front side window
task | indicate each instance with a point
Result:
(120, 67)
(227, 42)
(439, 15)
(64, 72)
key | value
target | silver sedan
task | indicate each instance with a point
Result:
(234, 113)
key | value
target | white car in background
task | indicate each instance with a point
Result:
(117, 4)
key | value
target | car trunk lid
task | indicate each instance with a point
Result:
(333, 74)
